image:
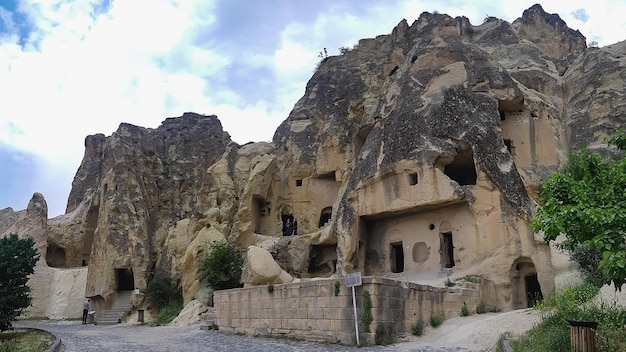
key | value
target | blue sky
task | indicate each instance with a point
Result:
(73, 68)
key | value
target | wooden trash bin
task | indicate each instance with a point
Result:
(583, 336)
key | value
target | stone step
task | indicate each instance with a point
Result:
(118, 309)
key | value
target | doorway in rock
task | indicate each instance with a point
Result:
(397, 257)
(533, 290)
(125, 279)
(447, 250)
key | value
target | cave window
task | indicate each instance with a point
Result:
(299, 183)
(325, 216)
(413, 179)
(462, 169)
(447, 250)
(84, 262)
(397, 257)
(393, 70)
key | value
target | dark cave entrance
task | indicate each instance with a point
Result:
(447, 250)
(125, 279)
(462, 168)
(397, 257)
(533, 290)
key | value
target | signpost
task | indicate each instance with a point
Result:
(353, 280)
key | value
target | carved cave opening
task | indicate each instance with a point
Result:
(124, 279)
(412, 178)
(525, 287)
(55, 256)
(322, 260)
(290, 225)
(447, 250)
(396, 257)
(325, 216)
(260, 211)
(462, 168)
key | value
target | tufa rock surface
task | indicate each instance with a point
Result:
(415, 155)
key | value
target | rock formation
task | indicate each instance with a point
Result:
(412, 155)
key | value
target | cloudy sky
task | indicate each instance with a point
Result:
(73, 68)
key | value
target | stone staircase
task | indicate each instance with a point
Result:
(117, 311)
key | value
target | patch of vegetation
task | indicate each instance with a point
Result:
(464, 310)
(270, 287)
(161, 291)
(337, 288)
(573, 303)
(222, 267)
(417, 328)
(585, 201)
(383, 334)
(481, 308)
(169, 312)
(470, 278)
(367, 311)
(25, 341)
(449, 283)
(436, 320)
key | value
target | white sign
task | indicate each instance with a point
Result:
(353, 279)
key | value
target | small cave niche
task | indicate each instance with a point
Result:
(322, 260)
(393, 70)
(510, 107)
(55, 256)
(412, 178)
(421, 252)
(299, 182)
(462, 168)
(328, 176)
(525, 286)
(260, 209)
(325, 216)
(509, 145)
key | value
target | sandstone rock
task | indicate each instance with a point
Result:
(260, 268)
(414, 154)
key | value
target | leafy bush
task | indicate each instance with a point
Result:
(161, 290)
(417, 328)
(436, 320)
(464, 310)
(222, 267)
(481, 308)
(383, 334)
(449, 283)
(367, 310)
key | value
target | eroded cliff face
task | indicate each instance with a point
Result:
(413, 155)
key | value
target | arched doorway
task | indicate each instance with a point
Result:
(525, 287)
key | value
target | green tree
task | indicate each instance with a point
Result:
(17, 261)
(222, 267)
(586, 201)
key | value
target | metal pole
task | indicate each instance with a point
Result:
(356, 322)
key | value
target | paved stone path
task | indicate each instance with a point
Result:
(84, 338)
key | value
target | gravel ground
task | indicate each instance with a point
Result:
(467, 334)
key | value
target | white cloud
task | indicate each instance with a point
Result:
(83, 71)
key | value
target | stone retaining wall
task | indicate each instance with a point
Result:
(309, 310)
